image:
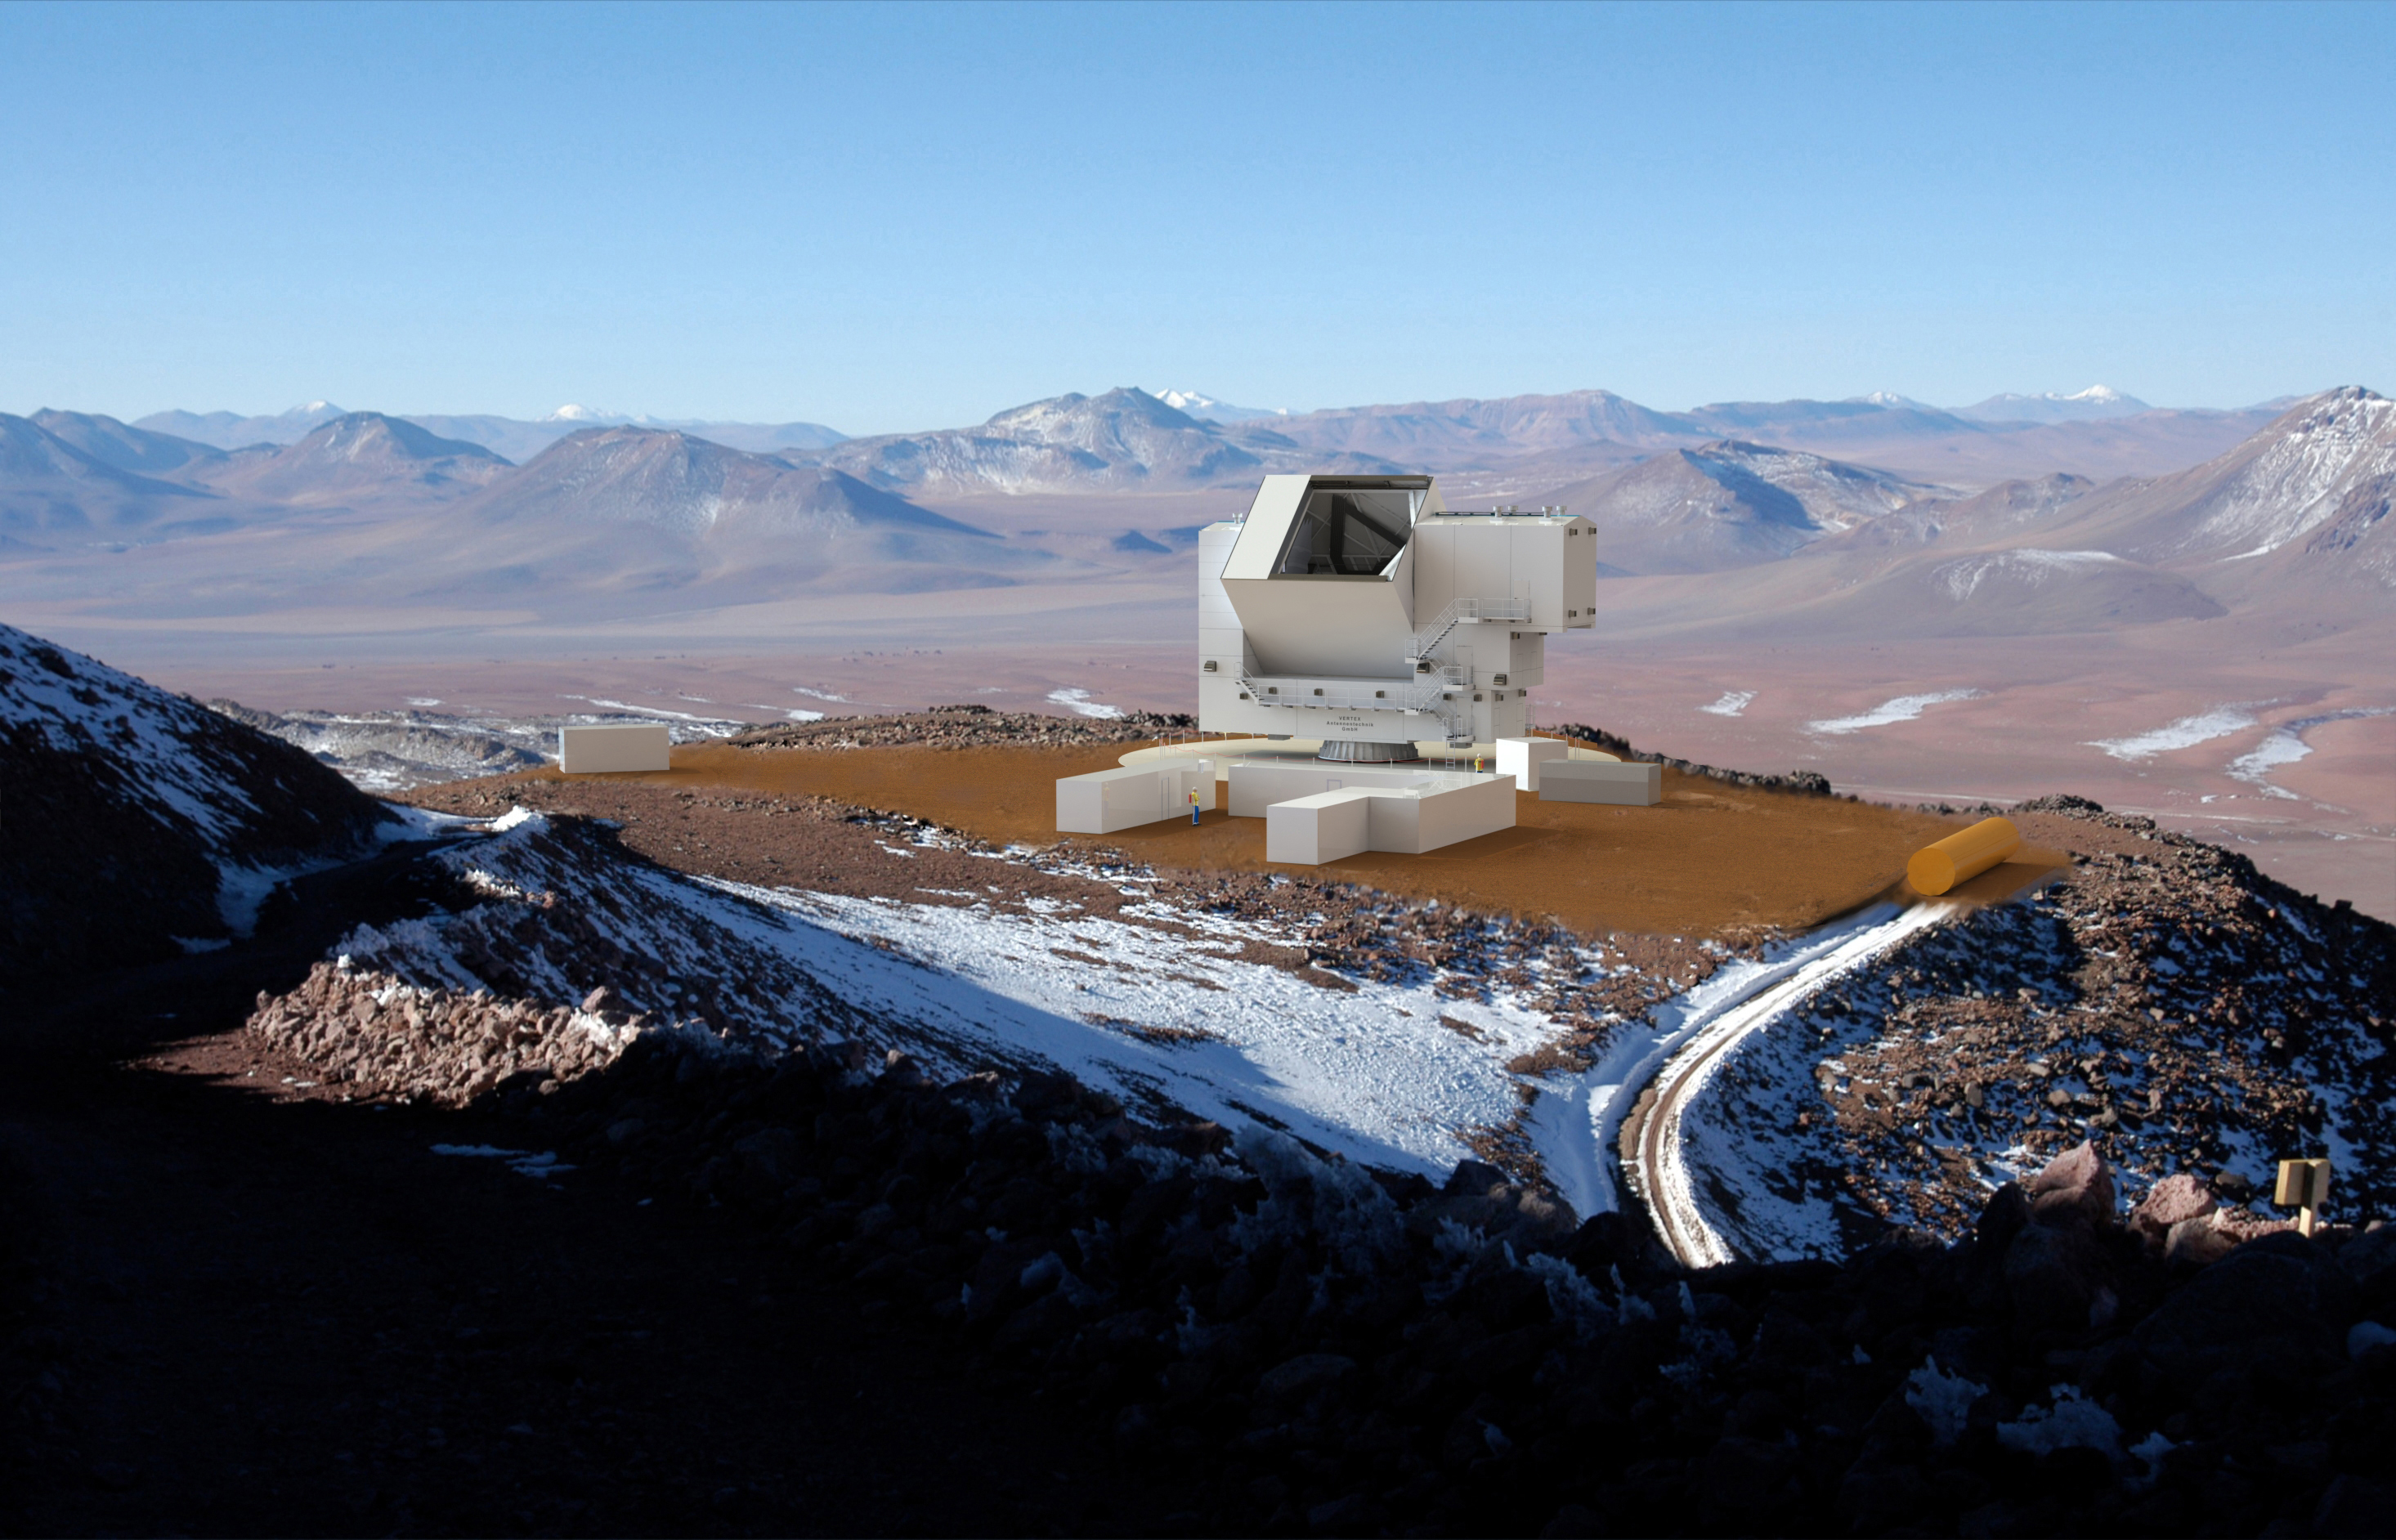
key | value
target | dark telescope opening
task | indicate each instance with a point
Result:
(1349, 533)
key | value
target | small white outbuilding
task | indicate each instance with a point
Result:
(596, 751)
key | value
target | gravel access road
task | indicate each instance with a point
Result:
(1659, 1169)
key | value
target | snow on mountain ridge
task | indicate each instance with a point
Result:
(139, 818)
(2096, 403)
(1207, 408)
(2300, 478)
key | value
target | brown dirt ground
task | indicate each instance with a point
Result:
(1710, 858)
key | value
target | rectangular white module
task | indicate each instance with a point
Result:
(1151, 792)
(1430, 811)
(1324, 826)
(1361, 610)
(1626, 784)
(596, 751)
(1520, 757)
(1258, 785)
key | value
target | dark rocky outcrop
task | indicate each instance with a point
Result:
(1341, 1352)
(135, 823)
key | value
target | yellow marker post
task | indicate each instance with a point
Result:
(1960, 857)
(2303, 1186)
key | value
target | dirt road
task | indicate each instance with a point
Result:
(1662, 1174)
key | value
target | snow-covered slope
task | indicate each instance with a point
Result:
(2326, 466)
(1161, 1004)
(137, 820)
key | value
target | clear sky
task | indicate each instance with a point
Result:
(897, 217)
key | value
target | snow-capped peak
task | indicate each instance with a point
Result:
(2100, 395)
(570, 412)
(1197, 405)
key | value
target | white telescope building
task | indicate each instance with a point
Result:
(1360, 611)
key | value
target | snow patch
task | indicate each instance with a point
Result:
(2286, 746)
(1901, 708)
(1943, 1400)
(1082, 705)
(2186, 733)
(716, 726)
(1367, 1073)
(1731, 704)
(2072, 1422)
(523, 1162)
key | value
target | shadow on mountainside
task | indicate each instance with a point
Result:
(225, 1312)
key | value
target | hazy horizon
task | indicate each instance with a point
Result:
(889, 218)
(603, 413)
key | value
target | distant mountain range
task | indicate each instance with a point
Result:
(510, 438)
(2096, 403)
(2292, 522)
(368, 508)
(1132, 440)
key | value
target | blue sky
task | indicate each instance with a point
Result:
(891, 217)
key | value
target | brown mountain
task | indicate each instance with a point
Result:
(1123, 441)
(55, 495)
(649, 508)
(363, 460)
(1729, 504)
(127, 449)
(1444, 433)
(1980, 519)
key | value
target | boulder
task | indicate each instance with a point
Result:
(2248, 1309)
(2172, 1201)
(1473, 1178)
(2075, 1188)
(2054, 1276)
(1295, 1383)
(2370, 1260)
(2354, 1509)
(2199, 1241)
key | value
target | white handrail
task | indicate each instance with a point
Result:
(1460, 611)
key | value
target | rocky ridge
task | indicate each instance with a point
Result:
(2162, 998)
(1345, 1354)
(142, 824)
(965, 726)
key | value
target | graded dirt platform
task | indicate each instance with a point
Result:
(1710, 857)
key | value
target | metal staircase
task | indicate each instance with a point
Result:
(1462, 612)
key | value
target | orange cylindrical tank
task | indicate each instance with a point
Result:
(1960, 857)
